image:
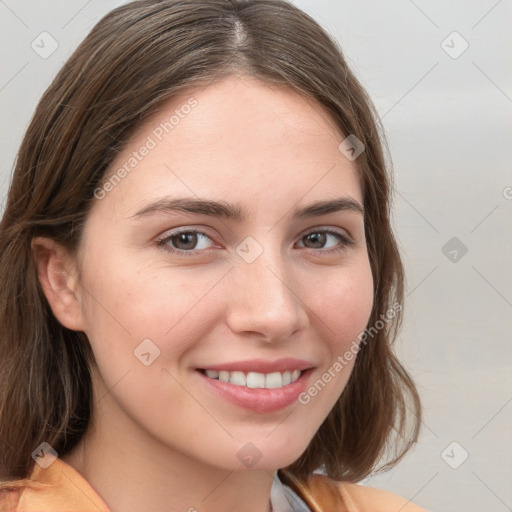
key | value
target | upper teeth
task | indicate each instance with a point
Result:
(254, 379)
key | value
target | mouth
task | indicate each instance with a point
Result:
(254, 380)
(258, 392)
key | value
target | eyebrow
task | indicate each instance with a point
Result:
(235, 212)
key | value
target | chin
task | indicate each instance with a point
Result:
(266, 454)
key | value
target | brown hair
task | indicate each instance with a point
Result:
(136, 58)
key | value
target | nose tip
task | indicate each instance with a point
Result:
(265, 302)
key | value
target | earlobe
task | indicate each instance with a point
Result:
(56, 273)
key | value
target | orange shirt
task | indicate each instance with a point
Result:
(60, 488)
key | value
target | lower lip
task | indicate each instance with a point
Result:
(259, 400)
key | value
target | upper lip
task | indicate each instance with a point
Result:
(261, 365)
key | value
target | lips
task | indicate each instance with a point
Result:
(258, 385)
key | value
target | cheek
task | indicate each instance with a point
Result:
(121, 312)
(343, 303)
(140, 329)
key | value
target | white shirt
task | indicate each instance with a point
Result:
(284, 499)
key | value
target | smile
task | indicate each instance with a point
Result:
(254, 380)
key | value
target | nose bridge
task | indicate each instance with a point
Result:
(264, 300)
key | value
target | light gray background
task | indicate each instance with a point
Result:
(448, 122)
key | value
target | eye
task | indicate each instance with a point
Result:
(184, 241)
(326, 239)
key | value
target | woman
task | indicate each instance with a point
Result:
(200, 279)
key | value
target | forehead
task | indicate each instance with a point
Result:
(236, 137)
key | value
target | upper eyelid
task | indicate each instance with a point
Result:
(178, 231)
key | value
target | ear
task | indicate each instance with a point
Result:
(56, 271)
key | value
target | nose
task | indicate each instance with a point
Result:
(265, 299)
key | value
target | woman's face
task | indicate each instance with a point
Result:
(205, 250)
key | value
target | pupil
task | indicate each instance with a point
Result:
(187, 239)
(318, 239)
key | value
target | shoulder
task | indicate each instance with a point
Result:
(9, 499)
(361, 498)
(55, 488)
(10, 493)
(323, 494)
(14, 492)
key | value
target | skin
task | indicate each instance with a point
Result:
(159, 439)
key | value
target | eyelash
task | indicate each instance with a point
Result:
(345, 242)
